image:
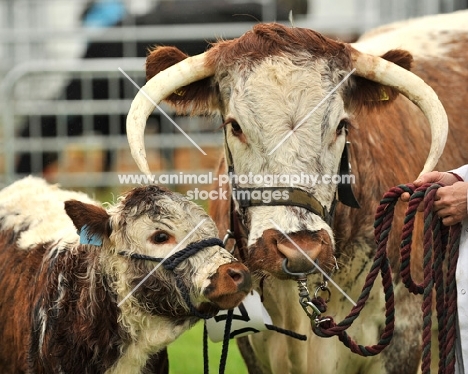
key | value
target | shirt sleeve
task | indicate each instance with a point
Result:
(461, 172)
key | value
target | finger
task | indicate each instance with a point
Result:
(443, 212)
(405, 196)
(450, 220)
(447, 221)
(438, 205)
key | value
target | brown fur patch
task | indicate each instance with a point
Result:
(229, 286)
(81, 331)
(55, 294)
(274, 39)
(143, 200)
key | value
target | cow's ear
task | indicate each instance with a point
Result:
(197, 98)
(91, 221)
(365, 93)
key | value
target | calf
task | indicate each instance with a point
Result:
(94, 303)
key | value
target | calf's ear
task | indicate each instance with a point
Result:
(197, 98)
(91, 221)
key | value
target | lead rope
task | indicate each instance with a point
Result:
(224, 349)
(439, 242)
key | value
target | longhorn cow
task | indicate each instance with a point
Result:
(98, 306)
(290, 99)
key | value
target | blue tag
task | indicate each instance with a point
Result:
(86, 239)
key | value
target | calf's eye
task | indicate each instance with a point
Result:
(160, 237)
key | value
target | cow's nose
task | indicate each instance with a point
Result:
(301, 252)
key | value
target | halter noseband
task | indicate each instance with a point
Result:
(171, 262)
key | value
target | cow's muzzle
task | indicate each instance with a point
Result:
(301, 252)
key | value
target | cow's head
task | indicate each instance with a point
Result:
(155, 222)
(286, 96)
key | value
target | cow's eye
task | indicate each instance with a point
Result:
(160, 237)
(342, 127)
(235, 128)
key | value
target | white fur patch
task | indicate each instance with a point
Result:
(32, 205)
(156, 333)
(430, 36)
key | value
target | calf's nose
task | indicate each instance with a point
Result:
(229, 286)
(241, 277)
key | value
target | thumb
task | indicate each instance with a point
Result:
(431, 177)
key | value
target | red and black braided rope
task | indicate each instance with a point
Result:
(440, 249)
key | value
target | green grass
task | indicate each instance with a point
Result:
(186, 354)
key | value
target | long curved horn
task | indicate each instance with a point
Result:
(187, 71)
(414, 88)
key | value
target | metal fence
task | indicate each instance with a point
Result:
(95, 154)
(80, 141)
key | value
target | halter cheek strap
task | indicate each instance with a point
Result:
(345, 191)
(247, 197)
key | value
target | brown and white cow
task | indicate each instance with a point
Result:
(67, 307)
(277, 84)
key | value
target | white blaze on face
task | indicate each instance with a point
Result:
(277, 96)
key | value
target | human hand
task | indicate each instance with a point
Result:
(444, 178)
(451, 203)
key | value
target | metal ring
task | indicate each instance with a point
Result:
(284, 267)
(229, 235)
(323, 288)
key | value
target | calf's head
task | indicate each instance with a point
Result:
(286, 97)
(152, 221)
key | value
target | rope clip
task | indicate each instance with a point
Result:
(310, 308)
